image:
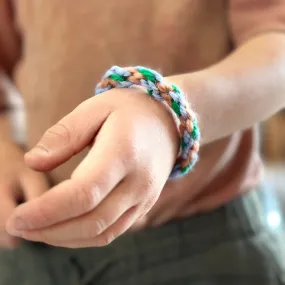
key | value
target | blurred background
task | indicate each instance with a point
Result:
(273, 152)
(274, 139)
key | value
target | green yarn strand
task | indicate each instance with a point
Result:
(171, 95)
(147, 74)
(175, 88)
(117, 77)
(183, 144)
(186, 169)
(175, 108)
(195, 130)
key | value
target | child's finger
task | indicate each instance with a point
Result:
(97, 175)
(104, 239)
(65, 201)
(94, 223)
(69, 136)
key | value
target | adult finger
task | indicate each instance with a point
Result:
(69, 136)
(7, 206)
(7, 202)
(34, 184)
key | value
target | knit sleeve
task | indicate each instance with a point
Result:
(251, 17)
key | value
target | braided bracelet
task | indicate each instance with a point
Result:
(158, 89)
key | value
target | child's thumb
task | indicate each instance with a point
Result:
(68, 137)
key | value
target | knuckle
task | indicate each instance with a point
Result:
(101, 226)
(60, 131)
(147, 183)
(148, 189)
(96, 228)
(129, 155)
(107, 239)
(130, 152)
(149, 204)
(86, 198)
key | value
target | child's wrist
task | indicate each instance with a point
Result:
(172, 96)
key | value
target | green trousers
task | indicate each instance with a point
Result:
(242, 243)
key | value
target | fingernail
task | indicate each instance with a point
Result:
(16, 233)
(16, 227)
(38, 150)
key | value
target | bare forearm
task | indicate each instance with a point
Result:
(240, 91)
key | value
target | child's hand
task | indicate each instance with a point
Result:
(134, 144)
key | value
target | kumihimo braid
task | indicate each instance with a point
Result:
(157, 88)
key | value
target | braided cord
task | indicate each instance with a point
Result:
(157, 88)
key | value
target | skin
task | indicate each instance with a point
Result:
(99, 205)
(17, 181)
(106, 194)
(96, 205)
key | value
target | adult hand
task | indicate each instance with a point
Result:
(17, 183)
